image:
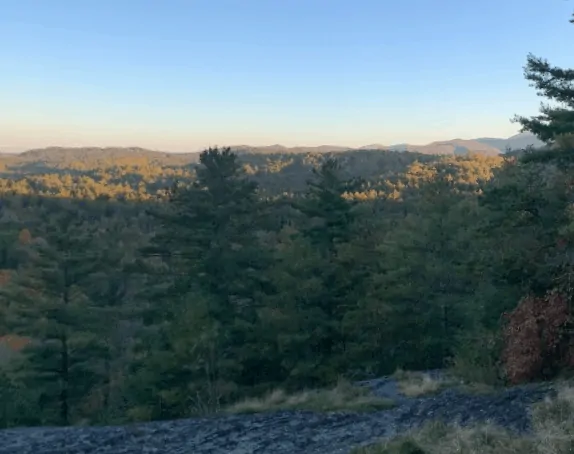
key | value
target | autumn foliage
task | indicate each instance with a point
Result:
(24, 237)
(536, 341)
(5, 276)
(13, 342)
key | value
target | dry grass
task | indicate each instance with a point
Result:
(344, 397)
(553, 424)
(479, 388)
(417, 384)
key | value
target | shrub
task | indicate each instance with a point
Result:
(536, 344)
(476, 359)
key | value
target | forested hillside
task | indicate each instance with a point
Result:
(137, 174)
(134, 303)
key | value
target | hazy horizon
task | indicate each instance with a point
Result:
(178, 76)
(15, 150)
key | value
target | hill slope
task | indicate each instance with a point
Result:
(449, 147)
(516, 142)
(486, 146)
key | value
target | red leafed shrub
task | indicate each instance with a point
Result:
(535, 338)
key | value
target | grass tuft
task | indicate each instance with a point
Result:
(553, 433)
(344, 397)
(417, 384)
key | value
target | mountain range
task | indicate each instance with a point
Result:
(484, 145)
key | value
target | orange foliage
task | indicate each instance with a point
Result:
(534, 338)
(5, 276)
(24, 237)
(13, 342)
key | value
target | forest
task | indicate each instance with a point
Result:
(137, 287)
(131, 305)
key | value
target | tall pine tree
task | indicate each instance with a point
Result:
(214, 264)
(555, 123)
(50, 307)
(315, 280)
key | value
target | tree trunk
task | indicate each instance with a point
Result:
(64, 373)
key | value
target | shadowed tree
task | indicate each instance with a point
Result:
(204, 311)
(50, 306)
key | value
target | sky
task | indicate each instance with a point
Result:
(181, 75)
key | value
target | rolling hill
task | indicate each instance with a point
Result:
(448, 147)
(486, 146)
(516, 142)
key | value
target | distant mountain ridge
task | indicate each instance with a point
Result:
(486, 145)
(447, 147)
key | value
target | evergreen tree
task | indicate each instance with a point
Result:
(215, 270)
(314, 280)
(414, 292)
(556, 122)
(50, 308)
(111, 291)
(330, 215)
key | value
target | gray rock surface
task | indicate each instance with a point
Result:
(293, 432)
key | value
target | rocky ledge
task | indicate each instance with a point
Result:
(290, 432)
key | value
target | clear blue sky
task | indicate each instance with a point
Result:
(183, 74)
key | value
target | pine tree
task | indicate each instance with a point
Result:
(111, 292)
(330, 214)
(214, 269)
(315, 280)
(555, 124)
(50, 307)
(8, 235)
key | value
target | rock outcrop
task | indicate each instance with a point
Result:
(292, 432)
